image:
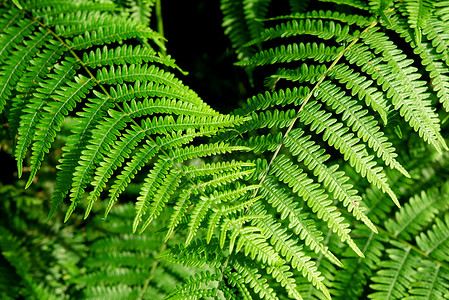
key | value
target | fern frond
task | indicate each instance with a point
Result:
(349, 282)
(418, 12)
(192, 288)
(126, 55)
(411, 104)
(432, 58)
(126, 263)
(238, 281)
(435, 241)
(314, 159)
(355, 153)
(34, 113)
(350, 19)
(13, 33)
(305, 73)
(362, 87)
(207, 169)
(395, 275)
(365, 127)
(261, 143)
(116, 30)
(283, 276)
(236, 26)
(197, 254)
(292, 52)
(325, 30)
(437, 71)
(146, 152)
(302, 226)
(216, 198)
(281, 97)
(430, 282)
(51, 120)
(434, 31)
(255, 280)
(417, 214)
(153, 181)
(13, 68)
(315, 197)
(171, 183)
(144, 73)
(158, 180)
(265, 119)
(290, 250)
(254, 204)
(179, 211)
(141, 10)
(70, 6)
(254, 11)
(223, 179)
(255, 245)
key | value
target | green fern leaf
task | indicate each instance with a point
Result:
(417, 214)
(337, 136)
(291, 251)
(197, 254)
(290, 174)
(325, 30)
(191, 289)
(238, 281)
(394, 276)
(53, 117)
(314, 159)
(365, 127)
(255, 280)
(236, 26)
(283, 276)
(430, 282)
(361, 86)
(302, 226)
(410, 92)
(281, 97)
(435, 242)
(418, 12)
(155, 178)
(293, 52)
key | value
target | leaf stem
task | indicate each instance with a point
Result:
(150, 275)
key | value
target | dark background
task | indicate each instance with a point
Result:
(197, 42)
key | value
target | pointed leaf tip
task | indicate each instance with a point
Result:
(394, 198)
(19, 169)
(88, 209)
(16, 3)
(29, 182)
(135, 224)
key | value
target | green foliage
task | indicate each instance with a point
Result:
(122, 265)
(38, 260)
(329, 183)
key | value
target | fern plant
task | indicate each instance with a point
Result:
(122, 265)
(37, 259)
(289, 195)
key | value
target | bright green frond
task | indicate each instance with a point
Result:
(394, 276)
(336, 135)
(435, 242)
(315, 197)
(417, 213)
